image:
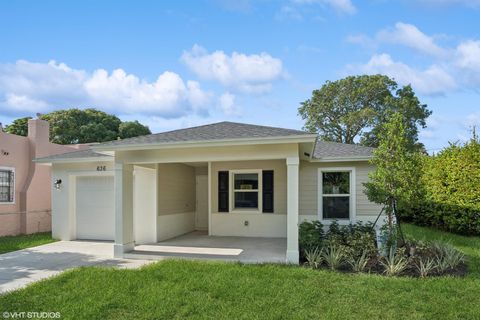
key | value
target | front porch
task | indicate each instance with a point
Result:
(199, 245)
(246, 209)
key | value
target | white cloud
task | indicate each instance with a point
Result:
(341, 6)
(227, 103)
(467, 60)
(432, 80)
(41, 87)
(247, 73)
(410, 36)
(451, 68)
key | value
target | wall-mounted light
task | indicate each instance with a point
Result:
(57, 184)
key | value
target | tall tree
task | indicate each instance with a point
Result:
(82, 126)
(397, 175)
(129, 129)
(18, 126)
(356, 107)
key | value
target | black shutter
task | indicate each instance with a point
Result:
(267, 191)
(223, 191)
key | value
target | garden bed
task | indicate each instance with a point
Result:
(354, 248)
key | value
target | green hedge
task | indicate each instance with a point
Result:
(457, 219)
(451, 183)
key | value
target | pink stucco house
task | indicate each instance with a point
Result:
(25, 199)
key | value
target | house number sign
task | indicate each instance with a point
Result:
(101, 168)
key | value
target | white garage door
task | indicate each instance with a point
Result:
(95, 213)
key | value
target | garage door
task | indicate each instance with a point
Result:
(95, 214)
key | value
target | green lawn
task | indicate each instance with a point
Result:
(181, 289)
(13, 243)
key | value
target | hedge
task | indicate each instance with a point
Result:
(451, 184)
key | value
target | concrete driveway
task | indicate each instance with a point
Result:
(20, 268)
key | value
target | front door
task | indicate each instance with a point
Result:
(201, 212)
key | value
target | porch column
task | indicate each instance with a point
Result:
(292, 210)
(123, 209)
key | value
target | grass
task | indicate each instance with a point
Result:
(13, 243)
(176, 289)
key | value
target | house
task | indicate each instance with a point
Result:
(24, 193)
(228, 179)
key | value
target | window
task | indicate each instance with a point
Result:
(336, 201)
(7, 185)
(245, 190)
(248, 190)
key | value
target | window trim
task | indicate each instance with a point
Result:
(231, 193)
(352, 195)
(14, 183)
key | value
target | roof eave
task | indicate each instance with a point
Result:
(74, 160)
(210, 143)
(342, 159)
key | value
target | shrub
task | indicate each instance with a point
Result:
(333, 256)
(395, 263)
(314, 257)
(452, 218)
(441, 264)
(447, 257)
(310, 235)
(355, 238)
(359, 264)
(451, 181)
(425, 266)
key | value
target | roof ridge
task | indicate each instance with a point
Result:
(206, 126)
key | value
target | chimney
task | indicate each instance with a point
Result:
(38, 131)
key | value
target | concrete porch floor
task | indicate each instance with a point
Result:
(199, 245)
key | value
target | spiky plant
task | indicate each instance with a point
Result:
(425, 266)
(447, 257)
(442, 264)
(333, 256)
(394, 264)
(314, 257)
(453, 258)
(359, 264)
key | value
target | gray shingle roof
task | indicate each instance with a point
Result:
(215, 131)
(222, 131)
(325, 149)
(80, 154)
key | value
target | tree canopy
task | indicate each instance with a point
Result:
(354, 108)
(83, 126)
(397, 174)
(18, 126)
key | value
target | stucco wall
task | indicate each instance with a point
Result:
(365, 210)
(31, 211)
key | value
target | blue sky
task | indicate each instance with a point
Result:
(173, 64)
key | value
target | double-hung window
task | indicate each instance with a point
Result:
(336, 193)
(246, 190)
(7, 185)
